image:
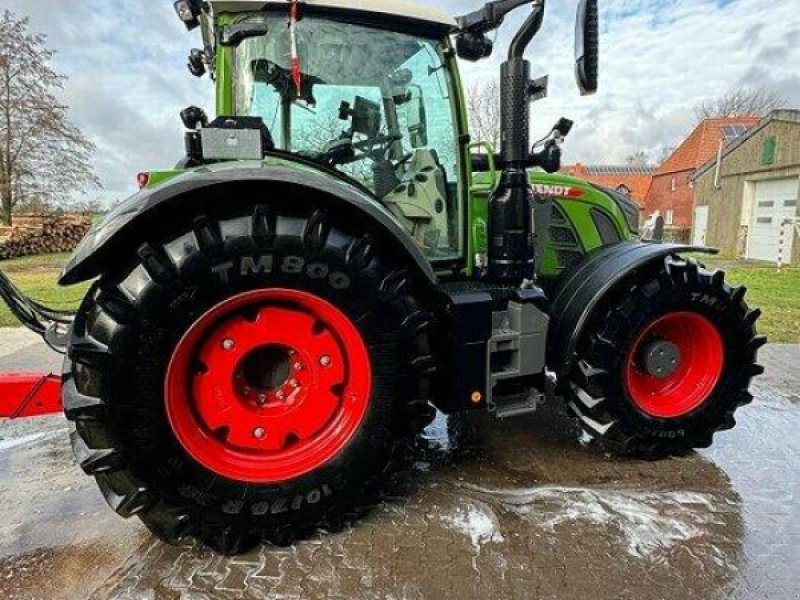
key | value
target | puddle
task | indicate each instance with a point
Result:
(480, 509)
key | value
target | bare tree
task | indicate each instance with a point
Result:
(41, 154)
(740, 103)
(663, 154)
(34, 204)
(483, 103)
(638, 159)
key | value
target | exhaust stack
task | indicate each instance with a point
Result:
(512, 229)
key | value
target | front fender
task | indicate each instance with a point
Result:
(137, 216)
(583, 288)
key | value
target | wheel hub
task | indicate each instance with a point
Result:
(268, 386)
(660, 358)
(264, 375)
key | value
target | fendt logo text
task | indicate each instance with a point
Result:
(561, 191)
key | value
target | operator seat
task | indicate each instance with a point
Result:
(420, 201)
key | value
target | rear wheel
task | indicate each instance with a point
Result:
(667, 363)
(247, 380)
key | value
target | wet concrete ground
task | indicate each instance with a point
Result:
(518, 510)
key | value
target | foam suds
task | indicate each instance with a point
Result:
(650, 522)
(478, 522)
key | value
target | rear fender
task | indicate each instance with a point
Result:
(144, 214)
(582, 289)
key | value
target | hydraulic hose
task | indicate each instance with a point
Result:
(38, 318)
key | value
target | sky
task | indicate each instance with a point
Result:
(126, 63)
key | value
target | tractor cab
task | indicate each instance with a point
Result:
(369, 94)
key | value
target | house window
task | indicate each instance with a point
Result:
(674, 184)
(769, 151)
(669, 217)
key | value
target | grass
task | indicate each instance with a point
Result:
(44, 262)
(37, 277)
(777, 294)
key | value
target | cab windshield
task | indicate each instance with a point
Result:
(374, 104)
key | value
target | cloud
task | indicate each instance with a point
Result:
(128, 79)
(659, 59)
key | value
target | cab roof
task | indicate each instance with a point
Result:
(402, 10)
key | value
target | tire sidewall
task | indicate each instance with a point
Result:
(203, 281)
(725, 396)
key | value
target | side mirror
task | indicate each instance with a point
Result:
(417, 121)
(587, 47)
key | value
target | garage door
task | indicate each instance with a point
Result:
(775, 201)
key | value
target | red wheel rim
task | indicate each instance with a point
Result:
(268, 386)
(694, 375)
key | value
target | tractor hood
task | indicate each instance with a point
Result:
(146, 214)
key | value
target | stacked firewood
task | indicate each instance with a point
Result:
(45, 235)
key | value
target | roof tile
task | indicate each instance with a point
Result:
(703, 143)
(636, 178)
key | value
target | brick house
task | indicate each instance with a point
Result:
(748, 197)
(671, 191)
(632, 180)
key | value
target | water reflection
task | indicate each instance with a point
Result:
(491, 510)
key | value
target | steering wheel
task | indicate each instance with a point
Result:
(379, 144)
(345, 151)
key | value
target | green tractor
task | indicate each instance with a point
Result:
(336, 258)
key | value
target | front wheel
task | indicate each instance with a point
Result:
(666, 363)
(247, 379)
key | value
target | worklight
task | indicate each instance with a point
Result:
(189, 12)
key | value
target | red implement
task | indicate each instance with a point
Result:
(25, 395)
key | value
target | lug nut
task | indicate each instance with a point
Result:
(281, 396)
(228, 345)
(298, 366)
(259, 433)
(325, 361)
(293, 383)
(262, 399)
